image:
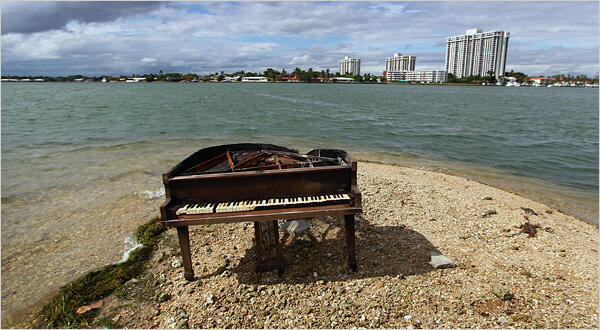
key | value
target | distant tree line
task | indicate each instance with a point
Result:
(489, 79)
(308, 75)
(570, 78)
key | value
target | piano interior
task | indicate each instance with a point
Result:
(243, 160)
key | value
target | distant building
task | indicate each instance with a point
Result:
(342, 79)
(135, 79)
(476, 53)
(400, 62)
(349, 65)
(255, 79)
(541, 81)
(428, 76)
(289, 78)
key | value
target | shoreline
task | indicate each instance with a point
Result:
(306, 82)
(412, 195)
(472, 174)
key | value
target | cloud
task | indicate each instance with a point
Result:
(344, 45)
(301, 60)
(126, 37)
(28, 17)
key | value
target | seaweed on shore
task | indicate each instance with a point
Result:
(95, 285)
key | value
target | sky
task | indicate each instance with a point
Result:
(125, 38)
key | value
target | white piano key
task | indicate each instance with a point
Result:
(190, 210)
(181, 210)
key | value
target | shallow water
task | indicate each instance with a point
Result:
(81, 162)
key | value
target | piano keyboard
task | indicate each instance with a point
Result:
(261, 204)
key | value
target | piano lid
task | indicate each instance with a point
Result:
(255, 157)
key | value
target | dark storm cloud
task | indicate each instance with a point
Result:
(29, 17)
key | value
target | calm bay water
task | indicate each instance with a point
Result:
(81, 162)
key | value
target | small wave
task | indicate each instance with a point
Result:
(151, 194)
(130, 245)
(299, 100)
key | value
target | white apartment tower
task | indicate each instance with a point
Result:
(476, 53)
(400, 63)
(349, 65)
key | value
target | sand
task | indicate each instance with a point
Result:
(505, 276)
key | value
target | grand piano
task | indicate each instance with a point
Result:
(260, 183)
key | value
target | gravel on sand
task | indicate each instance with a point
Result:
(504, 275)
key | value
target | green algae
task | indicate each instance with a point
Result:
(95, 285)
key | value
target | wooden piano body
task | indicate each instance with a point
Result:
(183, 186)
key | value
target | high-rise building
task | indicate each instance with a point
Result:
(349, 65)
(429, 76)
(477, 53)
(400, 63)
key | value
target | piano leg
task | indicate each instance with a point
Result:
(350, 241)
(280, 263)
(186, 253)
(265, 261)
(258, 243)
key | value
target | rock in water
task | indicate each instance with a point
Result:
(439, 261)
(295, 227)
